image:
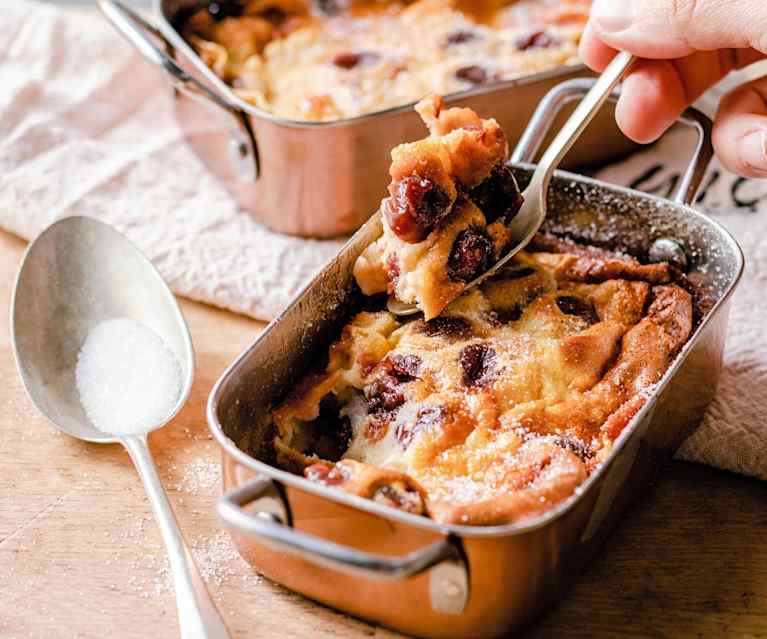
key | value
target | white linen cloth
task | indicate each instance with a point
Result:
(87, 128)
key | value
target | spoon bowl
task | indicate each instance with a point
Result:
(76, 274)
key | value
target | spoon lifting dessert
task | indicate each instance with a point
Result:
(531, 215)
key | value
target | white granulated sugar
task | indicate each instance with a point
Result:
(201, 477)
(127, 378)
(217, 560)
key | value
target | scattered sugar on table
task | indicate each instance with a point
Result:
(128, 379)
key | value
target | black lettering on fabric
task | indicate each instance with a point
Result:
(739, 198)
(665, 187)
(707, 185)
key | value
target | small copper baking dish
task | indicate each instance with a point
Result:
(318, 179)
(407, 572)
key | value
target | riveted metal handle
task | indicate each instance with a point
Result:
(567, 92)
(145, 37)
(269, 520)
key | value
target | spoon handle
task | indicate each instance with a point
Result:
(198, 617)
(533, 212)
(583, 115)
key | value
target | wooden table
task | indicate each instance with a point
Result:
(81, 557)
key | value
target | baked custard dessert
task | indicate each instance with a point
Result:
(497, 409)
(446, 220)
(335, 59)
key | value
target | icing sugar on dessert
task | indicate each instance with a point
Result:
(127, 377)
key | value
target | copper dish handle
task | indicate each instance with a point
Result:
(144, 36)
(566, 92)
(269, 520)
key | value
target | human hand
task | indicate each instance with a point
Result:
(686, 47)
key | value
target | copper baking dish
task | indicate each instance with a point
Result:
(310, 178)
(405, 571)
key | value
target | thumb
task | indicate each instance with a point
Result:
(740, 131)
(663, 29)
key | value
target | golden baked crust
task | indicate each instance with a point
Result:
(284, 58)
(499, 403)
(498, 409)
(445, 221)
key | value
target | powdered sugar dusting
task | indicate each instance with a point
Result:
(216, 558)
(201, 476)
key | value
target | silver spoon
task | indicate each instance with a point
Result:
(533, 212)
(77, 273)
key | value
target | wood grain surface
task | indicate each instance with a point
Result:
(80, 555)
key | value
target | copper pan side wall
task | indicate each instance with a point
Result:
(326, 180)
(397, 604)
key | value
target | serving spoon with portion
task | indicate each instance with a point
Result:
(76, 274)
(533, 211)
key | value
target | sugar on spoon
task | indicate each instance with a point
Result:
(75, 279)
(533, 211)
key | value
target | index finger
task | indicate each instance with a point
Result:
(593, 50)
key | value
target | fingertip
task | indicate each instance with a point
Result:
(744, 153)
(593, 51)
(652, 98)
(752, 149)
(740, 130)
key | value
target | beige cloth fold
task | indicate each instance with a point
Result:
(87, 127)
